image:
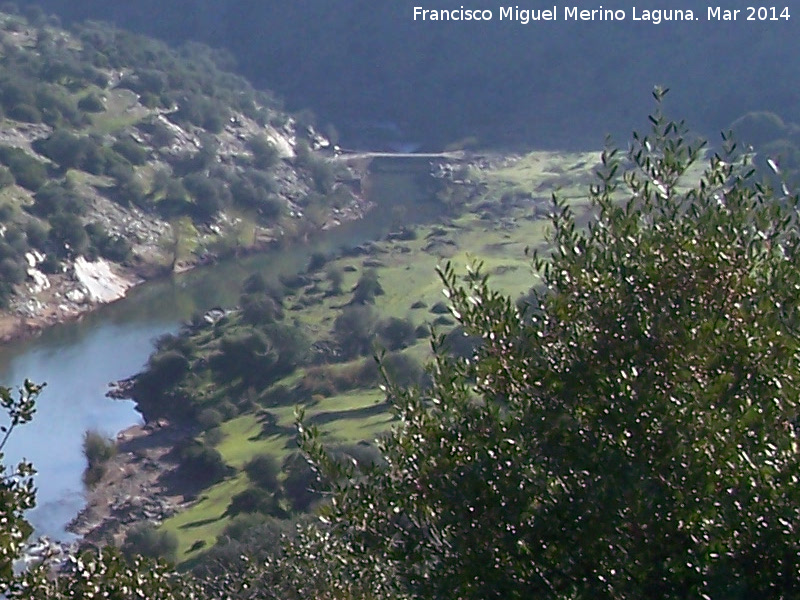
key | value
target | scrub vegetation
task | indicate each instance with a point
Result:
(116, 146)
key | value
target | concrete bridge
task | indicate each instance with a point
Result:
(396, 161)
(347, 155)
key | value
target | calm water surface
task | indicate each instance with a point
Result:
(78, 360)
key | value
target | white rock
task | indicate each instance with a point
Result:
(100, 282)
(76, 296)
(40, 280)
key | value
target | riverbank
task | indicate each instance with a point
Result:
(51, 299)
(138, 485)
(65, 297)
(117, 340)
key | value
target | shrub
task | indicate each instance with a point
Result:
(300, 484)
(201, 464)
(129, 190)
(247, 355)
(252, 500)
(316, 262)
(134, 152)
(367, 287)
(400, 368)
(443, 321)
(208, 418)
(98, 450)
(36, 233)
(26, 113)
(335, 277)
(12, 271)
(213, 436)
(209, 195)
(164, 370)
(364, 454)
(440, 308)
(51, 264)
(254, 283)
(252, 535)
(28, 172)
(175, 202)
(396, 333)
(67, 235)
(254, 192)
(354, 330)
(457, 342)
(64, 148)
(54, 198)
(97, 447)
(265, 154)
(201, 111)
(258, 310)
(92, 103)
(263, 471)
(161, 135)
(15, 236)
(146, 540)
(242, 525)
(112, 247)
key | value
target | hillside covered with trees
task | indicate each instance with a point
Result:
(378, 75)
(116, 148)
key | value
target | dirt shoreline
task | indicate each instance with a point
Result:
(138, 485)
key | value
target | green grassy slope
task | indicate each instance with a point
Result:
(494, 227)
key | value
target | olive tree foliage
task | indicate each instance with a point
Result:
(105, 574)
(17, 492)
(102, 574)
(630, 433)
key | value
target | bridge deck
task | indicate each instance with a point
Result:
(353, 155)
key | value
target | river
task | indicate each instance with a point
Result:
(78, 360)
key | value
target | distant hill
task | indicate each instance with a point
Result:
(371, 70)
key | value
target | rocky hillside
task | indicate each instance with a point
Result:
(122, 159)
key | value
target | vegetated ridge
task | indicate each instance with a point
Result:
(122, 159)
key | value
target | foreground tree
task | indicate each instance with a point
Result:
(631, 433)
(16, 485)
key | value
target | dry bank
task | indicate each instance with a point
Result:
(566, 13)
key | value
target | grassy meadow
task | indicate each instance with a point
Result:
(495, 226)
